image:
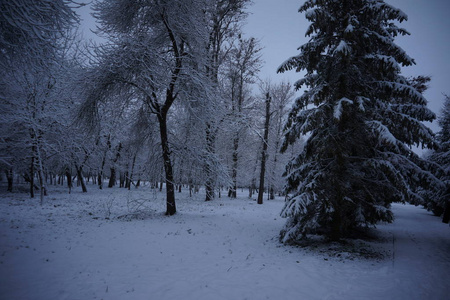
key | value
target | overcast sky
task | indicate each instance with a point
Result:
(281, 30)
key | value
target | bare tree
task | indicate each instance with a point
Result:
(265, 142)
(34, 39)
(241, 69)
(156, 54)
(224, 21)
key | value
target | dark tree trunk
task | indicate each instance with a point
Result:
(210, 182)
(264, 150)
(32, 175)
(130, 179)
(235, 166)
(127, 180)
(272, 193)
(252, 188)
(446, 216)
(42, 186)
(9, 178)
(81, 178)
(170, 191)
(336, 224)
(69, 179)
(102, 167)
(112, 178)
(100, 180)
(122, 180)
(236, 107)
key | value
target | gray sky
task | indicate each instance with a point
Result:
(281, 30)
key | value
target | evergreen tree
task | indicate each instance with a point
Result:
(438, 200)
(360, 115)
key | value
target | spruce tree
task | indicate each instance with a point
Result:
(439, 200)
(360, 116)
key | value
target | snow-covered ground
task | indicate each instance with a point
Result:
(90, 246)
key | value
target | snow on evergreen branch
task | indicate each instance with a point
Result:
(343, 48)
(402, 90)
(384, 134)
(386, 60)
(338, 108)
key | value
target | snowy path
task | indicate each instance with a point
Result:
(419, 267)
(225, 249)
(421, 250)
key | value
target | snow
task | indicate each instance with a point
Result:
(343, 48)
(385, 134)
(224, 249)
(360, 100)
(349, 28)
(338, 109)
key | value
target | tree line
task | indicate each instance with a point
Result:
(173, 96)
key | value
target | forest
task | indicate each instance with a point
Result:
(171, 110)
(181, 106)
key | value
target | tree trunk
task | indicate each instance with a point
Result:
(69, 179)
(43, 191)
(9, 178)
(210, 182)
(127, 180)
(264, 151)
(272, 193)
(336, 224)
(81, 178)
(102, 167)
(235, 166)
(446, 216)
(100, 180)
(112, 178)
(232, 190)
(130, 179)
(32, 174)
(121, 179)
(170, 191)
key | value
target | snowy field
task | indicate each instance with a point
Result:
(116, 244)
